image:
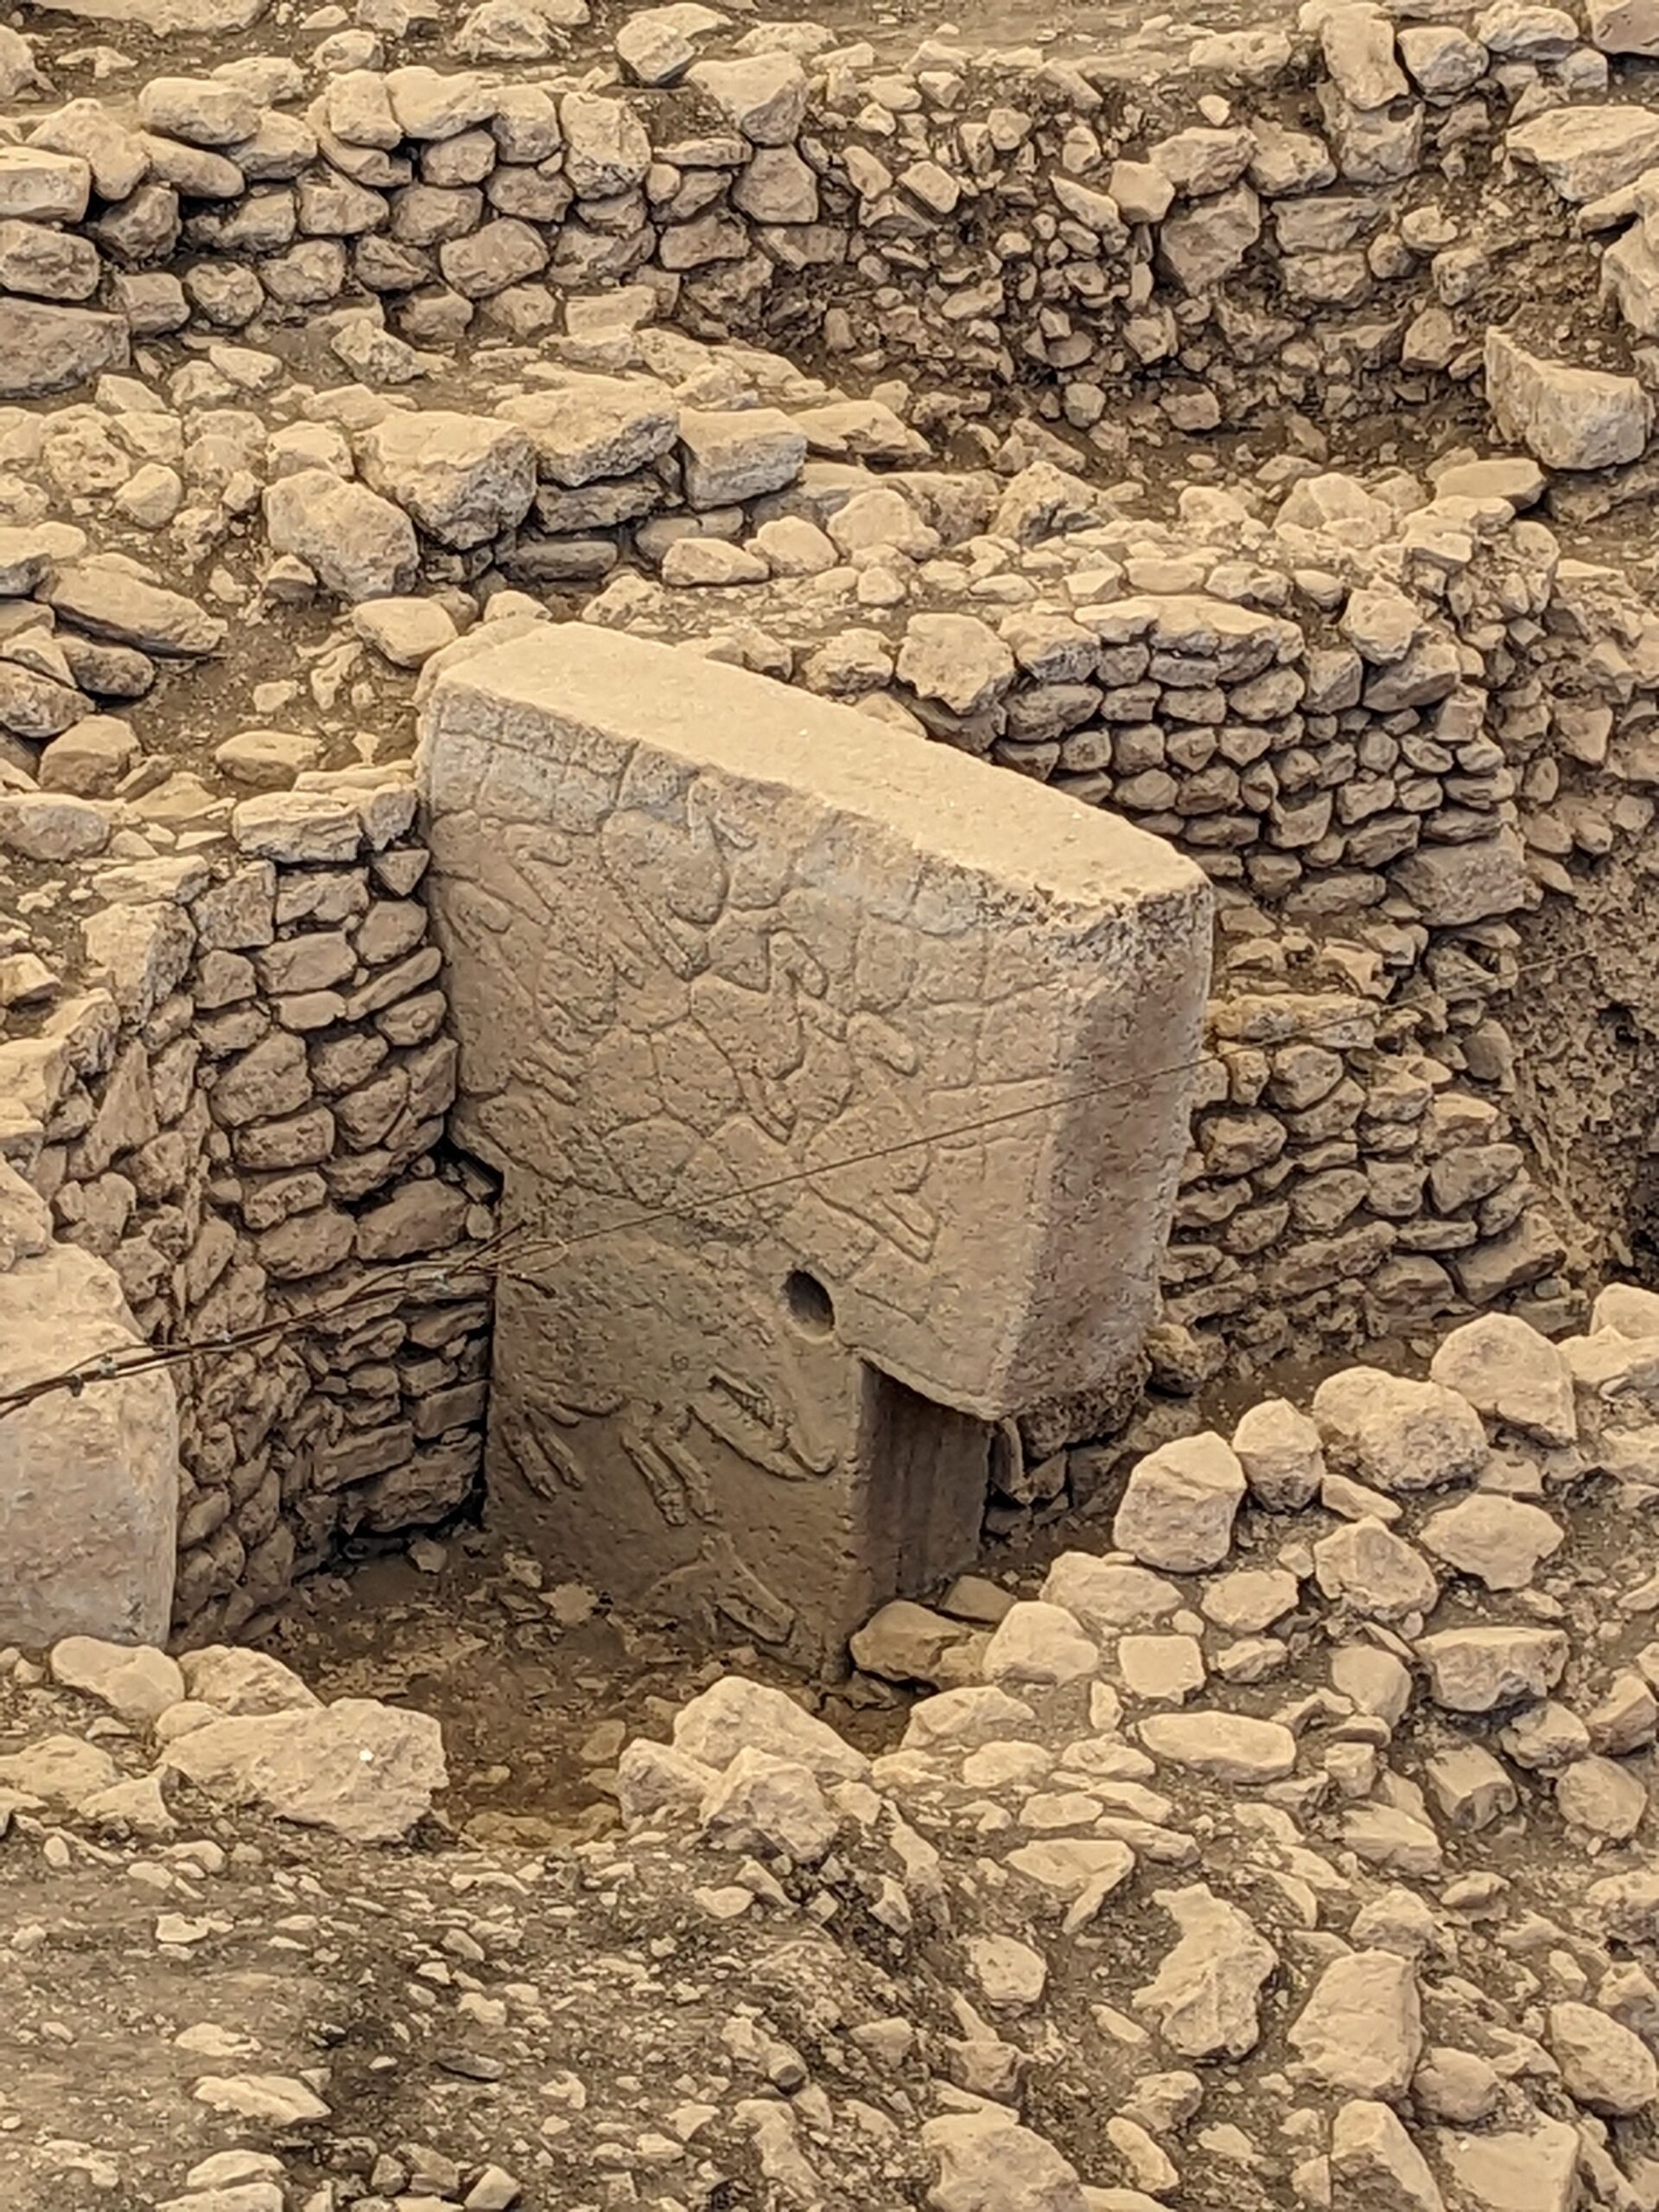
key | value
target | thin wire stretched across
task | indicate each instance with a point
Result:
(505, 1252)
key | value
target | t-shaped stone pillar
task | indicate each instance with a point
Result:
(709, 935)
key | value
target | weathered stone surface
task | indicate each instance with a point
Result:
(1228, 1746)
(762, 1802)
(1397, 1435)
(1450, 884)
(462, 478)
(1532, 2168)
(107, 602)
(136, 1685)
(1178, 1508)
(988, 2163)
(46, 348)
(1500, 1541)
(1511, 1373)
(737, 455)
(39, 186)
(1361, 2032)
(1568, 417)
(1588, 151)
(588, 428)
(1478, 1669)
(363, 1770)
(1279, 1452)
(743, 1473)
(735, 1715)
(1206, 1995)
(359, 545)
(88, 1484)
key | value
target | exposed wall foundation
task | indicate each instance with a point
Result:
(346, 384)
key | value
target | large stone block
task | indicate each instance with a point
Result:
(88, 1484)
(707, 934)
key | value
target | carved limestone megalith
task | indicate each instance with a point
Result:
(839, 1084)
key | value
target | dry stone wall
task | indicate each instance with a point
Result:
(238, 1118)
(1320, 217)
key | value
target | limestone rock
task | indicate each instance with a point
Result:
(238, 1682)
(1623, 26)
(905, 1643)
(108, 603)
(651, 1778)
(1178, 1508)
(1533, 2169)
(590, 428)
(1479, 1670)
(361, 1770)
(1452, 884)
(765, 1803)
(1627, 1309)
(1279, 1452)
(1500, 1541)
(1378, 1572)
(273, 2100)
(988, 2163)
(1375, 2163)
(955, 658)
(1568, 417)
(1510, 1373)
(39, 186)
(763, 95)
(136, 1684)
(1226, 1746)
(60, 1770)
(46, 348)
(1361, 2032)
(1602, 1798)
(461, 478)
(1107, 1595)
(1398, 1435)
(359, 545)
(88, 1484)
(1605, 2067)
(1358, 46)
(734, 456)
(1205, 1996)
(1040, 1645)
(1586, 152)
(734, 1714)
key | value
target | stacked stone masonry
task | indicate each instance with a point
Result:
(422, 356)
(1279, 215)
(241, 1119)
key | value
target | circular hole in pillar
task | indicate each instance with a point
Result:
(810, 1307)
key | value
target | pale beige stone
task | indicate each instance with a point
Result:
(1206, 1995)
(1568, 417)
(361, 1770)
(762, 1495)
(88, 1484)
(1361, 2031)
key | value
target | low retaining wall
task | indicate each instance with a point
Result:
(241, 1120)
(1278, 218)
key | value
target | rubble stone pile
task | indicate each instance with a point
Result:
(1294, 1851)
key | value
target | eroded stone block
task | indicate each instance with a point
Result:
(88, 1484)
(707, 934)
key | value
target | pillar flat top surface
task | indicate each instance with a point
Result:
(707, 931)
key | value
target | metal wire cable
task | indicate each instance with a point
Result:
(503, 1253)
